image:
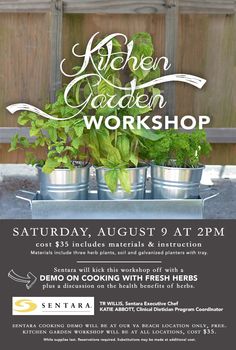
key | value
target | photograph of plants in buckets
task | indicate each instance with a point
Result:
(121, 157)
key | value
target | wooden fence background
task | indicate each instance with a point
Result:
(199, 37)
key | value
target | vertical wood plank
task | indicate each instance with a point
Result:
(223, 154)
(171, 38)
(24, 62)
(207, 48)
(79, 29)
(56, 45)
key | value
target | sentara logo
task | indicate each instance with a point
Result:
(24, 305)
(27, 306)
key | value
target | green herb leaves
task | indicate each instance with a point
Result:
(111, 177)
(176, 148)
(114, 175)
(63, 141)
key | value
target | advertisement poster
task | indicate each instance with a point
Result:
(117, 174)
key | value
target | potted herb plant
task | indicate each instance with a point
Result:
(176, 170)
(120, 171)
(64, 168)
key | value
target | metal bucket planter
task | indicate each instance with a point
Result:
(175, 183)
(65, 184)
(137, 177)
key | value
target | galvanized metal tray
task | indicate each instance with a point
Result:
(94, 209)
